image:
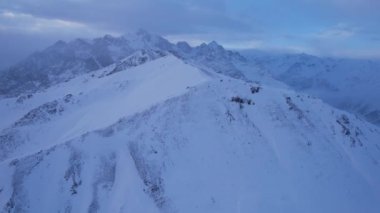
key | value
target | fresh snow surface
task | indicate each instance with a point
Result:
(166, 137)
(97, 101)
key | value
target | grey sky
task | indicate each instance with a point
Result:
(346, 28)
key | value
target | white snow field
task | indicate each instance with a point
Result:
(93, 101)
(167, 137)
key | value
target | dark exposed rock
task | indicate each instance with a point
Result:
(349, 131)
(255, 89)
(42, 113)
(294, 107)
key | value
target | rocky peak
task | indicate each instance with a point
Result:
(214, 45)
(184, 46)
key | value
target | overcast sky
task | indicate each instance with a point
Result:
(344, 28)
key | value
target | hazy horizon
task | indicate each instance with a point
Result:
(337, 28)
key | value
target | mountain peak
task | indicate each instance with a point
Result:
(65, 60)
(214, 44)
(79, 41)
(108, 37)
(59, 43)
(145, 35)
(142, 32)
(184, 46)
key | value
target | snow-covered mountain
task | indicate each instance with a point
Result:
(64, 61)
(169, 130)
(348, 84)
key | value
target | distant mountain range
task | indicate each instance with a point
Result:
(63, 61)
(348, 84)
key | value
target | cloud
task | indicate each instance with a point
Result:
(160, 16)
(312, 26)
(22, 34)
(36, 24)
(340, 31)
(27, 23)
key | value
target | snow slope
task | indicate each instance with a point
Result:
(67, 110)
(165, 136)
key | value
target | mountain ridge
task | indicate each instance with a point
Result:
(199, 130)
(65, 60)
(192, 151)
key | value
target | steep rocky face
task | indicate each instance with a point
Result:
(214, 55)
(60, 62)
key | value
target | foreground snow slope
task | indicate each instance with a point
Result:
(90, 102)
(191, 149)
